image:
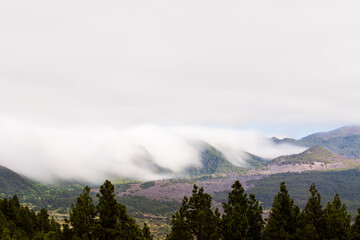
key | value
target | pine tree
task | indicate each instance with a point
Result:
(235, 222)
(355, 228)
(146, 233)
(114, 222)
(108, 210)
(82, 215)
(337, 220)
(311, 223)
(242, 218)
(255, 220)
(282, 222)
(195, 219)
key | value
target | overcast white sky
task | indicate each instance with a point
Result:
(223, 63)
(276, 66)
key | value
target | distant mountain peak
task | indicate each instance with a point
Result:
(309, 156)
(344, 131)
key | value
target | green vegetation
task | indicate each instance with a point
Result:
(139, 205)
(195, 219)
(147, 184)
(311, 155)
(287, 141)
(213, 162)
(19, 222)
(254, 161)
(345, 182)
(344, 141)
(242, 218)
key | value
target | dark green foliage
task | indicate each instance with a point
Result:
(309, 156)
(12, 183)
(254, 161)
(114, 222)
(242, 218)
(82, 215)
(53, 197)
(344, 141)
(18, 222)
(146, 233)
(337, 220)
(235, 222)
(212, 162)
(345, 182)
(311, 221)
(355, 228)
(255, 220)
(195, 219)
(283, 219)
(147, 184)
(140, 204)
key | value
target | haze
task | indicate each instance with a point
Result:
(98, 69)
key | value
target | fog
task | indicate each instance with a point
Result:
(92, 154)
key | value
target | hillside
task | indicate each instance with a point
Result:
(344, 182)
(254, 161)
(344, 141)
(213, 162)
(290, 141)
(309, 156)
(339, 132)
(12, 183)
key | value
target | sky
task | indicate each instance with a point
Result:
(284, 68)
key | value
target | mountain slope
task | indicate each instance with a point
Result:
(290, 141)
(309, 156)
(212, 162)
(344, 141)
(254, 161)
(12, 183)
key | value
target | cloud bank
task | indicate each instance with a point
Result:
(94, 154)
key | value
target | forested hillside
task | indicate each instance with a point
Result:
(241, 218)
(344, 141)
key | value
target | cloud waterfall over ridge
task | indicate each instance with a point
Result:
(92, 154)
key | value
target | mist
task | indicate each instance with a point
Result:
(92, 154)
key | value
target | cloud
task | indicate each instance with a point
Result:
(188, 63)
(94, 154)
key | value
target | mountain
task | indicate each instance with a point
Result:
(339, 132)
(213, 161)
(344, 141)
(254, 161)
(12, 183)
(309, 156)
(291, 141)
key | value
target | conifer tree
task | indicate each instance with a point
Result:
(337, 220)
(311, 222)
(114, 222)
(282, 222)
(195, 219)
(146, 233)
(355, 228)
(242, 218)
(235, 222)
(82, 215)
(255, 220)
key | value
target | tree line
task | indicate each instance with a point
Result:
(241, 219)
(107, 220)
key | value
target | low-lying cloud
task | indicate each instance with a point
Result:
(92, 154)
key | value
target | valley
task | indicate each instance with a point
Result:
(155, 201)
